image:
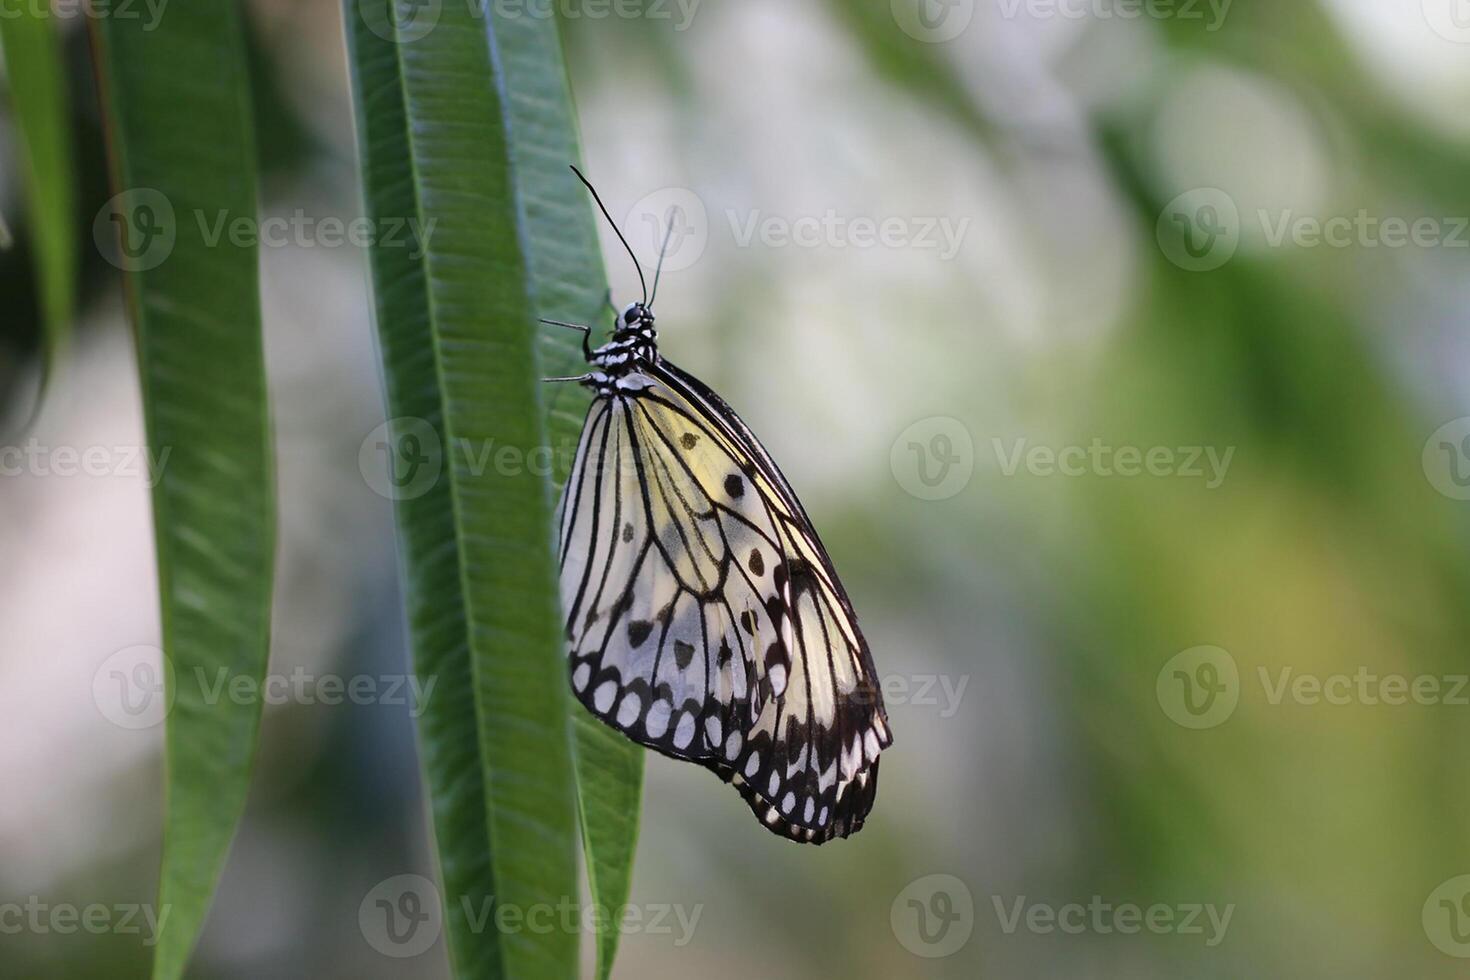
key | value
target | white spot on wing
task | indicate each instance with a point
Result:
(628, 710)
(657, 721)
(603, 699)
(684, 731)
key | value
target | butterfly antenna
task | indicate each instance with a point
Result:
(663, 250)
(596, 197)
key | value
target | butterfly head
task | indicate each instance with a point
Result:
(634, 345)
(637, 318)
(635, 331)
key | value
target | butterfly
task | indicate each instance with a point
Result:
(703, 616)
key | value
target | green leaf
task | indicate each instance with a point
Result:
(439, 145)
(176, 107)
(568, 283)
(38, 94)
(438, 625)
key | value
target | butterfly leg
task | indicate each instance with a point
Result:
(586, 334)
(580, 377)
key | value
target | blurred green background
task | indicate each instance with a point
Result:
(1117, 350)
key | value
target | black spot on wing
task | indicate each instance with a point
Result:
(757, 563)
(683, 654)
(689, 440)
(638, 631)
(735, 486)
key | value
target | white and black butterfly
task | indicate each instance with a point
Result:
(703, 616)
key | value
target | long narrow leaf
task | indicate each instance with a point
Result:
(38, 94)
(568, 283)
(177, 113)
(481, 329)
(438, 626)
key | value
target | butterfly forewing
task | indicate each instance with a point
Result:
(664, 626)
